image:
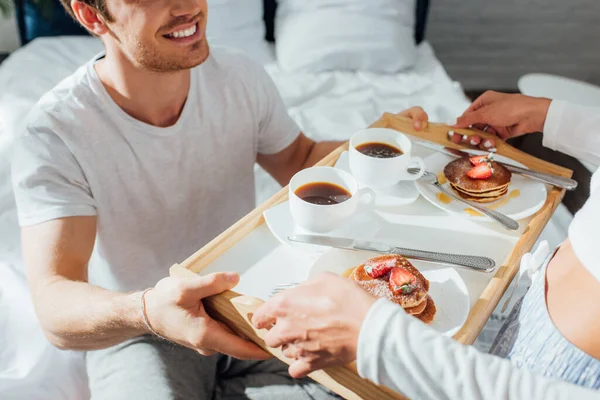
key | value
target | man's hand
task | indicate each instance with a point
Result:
(317, 323)
(175, 311)
(419, 117)
(506, 115)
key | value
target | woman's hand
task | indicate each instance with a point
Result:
(420, 121)
(317, 323)
(175, 311)
(506, 115)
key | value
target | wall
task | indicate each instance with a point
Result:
(491, 44)
(9, 40)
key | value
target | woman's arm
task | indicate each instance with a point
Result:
(341, 322)
(573, 130)
(400, 352)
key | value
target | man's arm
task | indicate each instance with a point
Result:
(75, 314)
(302, 153)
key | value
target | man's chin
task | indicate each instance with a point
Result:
(195, 55)
(199, 54)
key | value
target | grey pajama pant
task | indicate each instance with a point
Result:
(147, 368)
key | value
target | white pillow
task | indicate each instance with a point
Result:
(320, 35)
(239, 24)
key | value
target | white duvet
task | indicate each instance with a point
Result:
(329, 105)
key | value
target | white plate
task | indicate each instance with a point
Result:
(532, 194)
(279, 220)
(403, 193)
(446, 287)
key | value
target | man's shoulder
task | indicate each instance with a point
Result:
(64, 103)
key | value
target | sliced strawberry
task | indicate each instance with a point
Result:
(376, 269)
(476, 160)
(481, 171)
(402, 281)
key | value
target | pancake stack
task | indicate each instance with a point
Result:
(478, 179)
(395, 278)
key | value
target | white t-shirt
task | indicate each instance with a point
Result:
(159, 194)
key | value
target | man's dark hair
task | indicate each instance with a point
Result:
(99, 5)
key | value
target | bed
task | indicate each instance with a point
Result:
(326, 105)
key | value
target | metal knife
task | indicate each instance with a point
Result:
(566, 183)
(483, 264)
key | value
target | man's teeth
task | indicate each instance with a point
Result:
(183, 33)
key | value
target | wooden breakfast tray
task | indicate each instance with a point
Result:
(236, 310)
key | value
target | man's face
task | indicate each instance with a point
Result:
(159, 35)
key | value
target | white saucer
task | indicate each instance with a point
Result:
(446, 287)
(362, 226)
(532, 194)
(403, 193)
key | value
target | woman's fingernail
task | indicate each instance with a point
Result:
(450, 134)
(464, 138)
(417, 125)
(487, 144)
(475, 141)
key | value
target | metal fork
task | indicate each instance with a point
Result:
(431, 178)
(284, 286)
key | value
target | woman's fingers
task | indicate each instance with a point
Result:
(456, 137)
(224, 342)
(292, 352)
(473, 118)
(283, 333)
(419, 117)
(474, 140)
(487, 144)
(485, 99)
(300, 368)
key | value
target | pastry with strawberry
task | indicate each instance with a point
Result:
(478, 178)
(395, 278)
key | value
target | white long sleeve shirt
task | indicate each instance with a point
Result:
(402, 353)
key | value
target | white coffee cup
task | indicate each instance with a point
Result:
(325, 218)
(380, 173)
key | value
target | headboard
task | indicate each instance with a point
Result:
(421, 13)
(50, 19)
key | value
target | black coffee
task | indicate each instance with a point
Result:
(322, 193)
(379, 150)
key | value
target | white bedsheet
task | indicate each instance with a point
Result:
(326, 106)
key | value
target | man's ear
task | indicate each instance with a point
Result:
(89, 17)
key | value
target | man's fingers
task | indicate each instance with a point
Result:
(194, 289)
(419, 117)
(206, 353)
(224, 342)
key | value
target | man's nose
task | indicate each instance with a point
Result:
(182, 8)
